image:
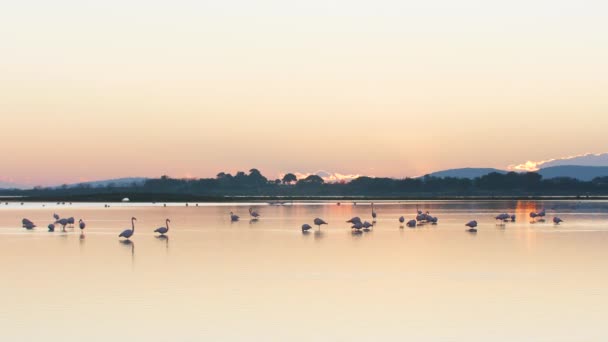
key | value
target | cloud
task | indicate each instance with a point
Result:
(588, 159)
(328, 177)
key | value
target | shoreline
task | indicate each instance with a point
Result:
(283, 199)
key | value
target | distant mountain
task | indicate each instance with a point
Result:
(7, 185)
(467, 172)
(584, 160)
(583, 173)
(116, 182)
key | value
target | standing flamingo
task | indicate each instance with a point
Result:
(63, 222)
(374, 215)
(254, 214)
(306, 227)
(163, 230)
(319, 222)
(81, 224)
(233, 217)
(127, 233)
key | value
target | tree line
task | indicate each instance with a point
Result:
(253, 183)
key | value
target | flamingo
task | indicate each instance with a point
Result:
(55, 216)
(51, 227)
(29, 225)
(306, 227)
(233, 217)
(163, 230)
(354, 220)
(374, 215)
(63, 222)
(319, 222)
(127, 233)
(367, 226)
(71, 221)
(357, 226)
(557, 220)
(254, 214)
(401, 219)
(472, 227)
(25, 222)
(81, 224)
(412, 223)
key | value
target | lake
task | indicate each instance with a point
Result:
(214, 280)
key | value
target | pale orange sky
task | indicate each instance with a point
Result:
(93, 90)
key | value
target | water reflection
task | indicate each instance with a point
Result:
(318, 234)
(131, 244)
(165, 239)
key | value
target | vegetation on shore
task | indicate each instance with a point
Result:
(254, 185)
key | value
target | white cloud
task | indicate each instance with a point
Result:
(328, 177)
(588, 159)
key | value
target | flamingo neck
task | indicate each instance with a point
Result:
(133, 225)
(167, 223)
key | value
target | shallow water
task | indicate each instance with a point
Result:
(216, 280)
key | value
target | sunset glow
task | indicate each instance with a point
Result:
(98, 90)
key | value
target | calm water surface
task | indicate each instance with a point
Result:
(220, 281)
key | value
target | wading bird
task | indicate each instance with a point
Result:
(51, 227)
(233, 217)
(319, 222)
(374, 215)
(354, 220)
(63, 222)
(357, 226)
(163, 230)
(306, 227)
(472, 227)
(411, 223)
(254, 214)
(557, 220)
(81, 224)
(127, 233)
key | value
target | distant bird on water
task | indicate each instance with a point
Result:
(354, 220)
(306, 227)
(412, 223)
(55, 216)
(374, 215)
(26, 222)
(472, 227)
(51, 227)
(357, 226)
(163, 230)
(127, 233)
(71, 221)
(254, 214)
(367, 226)
(29, 225)
(557, 220)
(81, 224)
(319, 222)
(63, 222)
(233, 217)
(401, 219)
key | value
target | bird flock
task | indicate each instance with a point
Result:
(357, 224)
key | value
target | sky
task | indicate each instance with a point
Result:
(105, 89)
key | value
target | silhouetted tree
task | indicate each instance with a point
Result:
(289, 178)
